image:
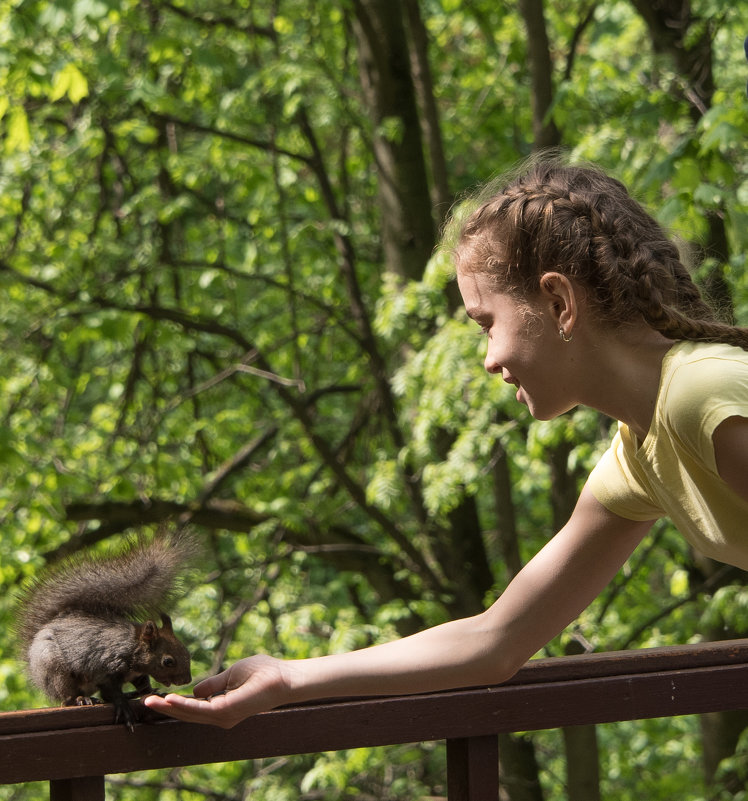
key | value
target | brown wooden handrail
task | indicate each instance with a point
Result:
(75, 748)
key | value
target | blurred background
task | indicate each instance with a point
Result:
(222, 304)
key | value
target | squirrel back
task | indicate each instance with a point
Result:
(135, 583)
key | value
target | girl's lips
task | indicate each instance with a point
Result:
(515, 383)
(511, 380)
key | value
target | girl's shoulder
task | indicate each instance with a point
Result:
(694, 367)
(702, 383)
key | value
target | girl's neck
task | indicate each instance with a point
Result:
(629, 368)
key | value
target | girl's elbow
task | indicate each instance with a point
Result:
(501, 655)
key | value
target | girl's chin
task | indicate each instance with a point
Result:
(546, 414)
(538, 412)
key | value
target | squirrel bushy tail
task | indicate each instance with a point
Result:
(137, 581)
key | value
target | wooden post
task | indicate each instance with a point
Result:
(87, 788)
(473, 769)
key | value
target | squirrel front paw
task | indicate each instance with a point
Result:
(124, 714)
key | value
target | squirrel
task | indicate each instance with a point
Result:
(78, 624)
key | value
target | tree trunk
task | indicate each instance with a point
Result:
(670, 28)
(506, 518)
(582, 763)
(518, 769)
(564, 491)
(580, 742)
(424, 87)
(441, 196)
(545, 132)
(715, 285)
(687, 40)
(464, 559)
(582, 754)
(408, 232)
(720, 731)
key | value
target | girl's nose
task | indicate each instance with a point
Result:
(490, 363)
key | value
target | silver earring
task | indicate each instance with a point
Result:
(563, 336)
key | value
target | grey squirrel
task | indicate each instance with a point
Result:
(78, 624)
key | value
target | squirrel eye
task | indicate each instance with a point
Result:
(168, 661)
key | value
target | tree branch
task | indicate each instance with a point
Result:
(213, 20)
(267, 146)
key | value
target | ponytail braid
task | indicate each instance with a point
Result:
(582, 223)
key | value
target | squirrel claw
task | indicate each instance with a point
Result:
(123, 714)
(82, 700)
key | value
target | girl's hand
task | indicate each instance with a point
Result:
(252, 685)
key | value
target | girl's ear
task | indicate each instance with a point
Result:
(561, 297)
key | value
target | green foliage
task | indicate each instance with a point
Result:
(195, 311)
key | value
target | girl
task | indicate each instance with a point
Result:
(583, 299)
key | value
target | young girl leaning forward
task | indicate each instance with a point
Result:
(583, 300)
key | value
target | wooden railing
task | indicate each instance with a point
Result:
(74, 749)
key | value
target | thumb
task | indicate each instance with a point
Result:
(213, 685)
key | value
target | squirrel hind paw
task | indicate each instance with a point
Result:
(82, 700)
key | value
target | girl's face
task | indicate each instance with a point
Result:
(524, 345)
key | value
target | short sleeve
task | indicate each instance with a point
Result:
(620, 486)
(705, 395)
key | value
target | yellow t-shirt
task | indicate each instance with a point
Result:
(673, 472)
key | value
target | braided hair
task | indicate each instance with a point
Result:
(582, 223)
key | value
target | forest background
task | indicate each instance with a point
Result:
(222, 304)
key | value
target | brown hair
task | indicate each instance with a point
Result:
(582, 223)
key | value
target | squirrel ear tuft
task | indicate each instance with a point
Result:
(149, 631)
(166, 622)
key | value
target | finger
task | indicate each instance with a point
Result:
(212, 685)
(193, 710)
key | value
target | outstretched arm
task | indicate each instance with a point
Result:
(559, 582)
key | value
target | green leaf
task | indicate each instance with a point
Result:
(19, 134)
(69, 81)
